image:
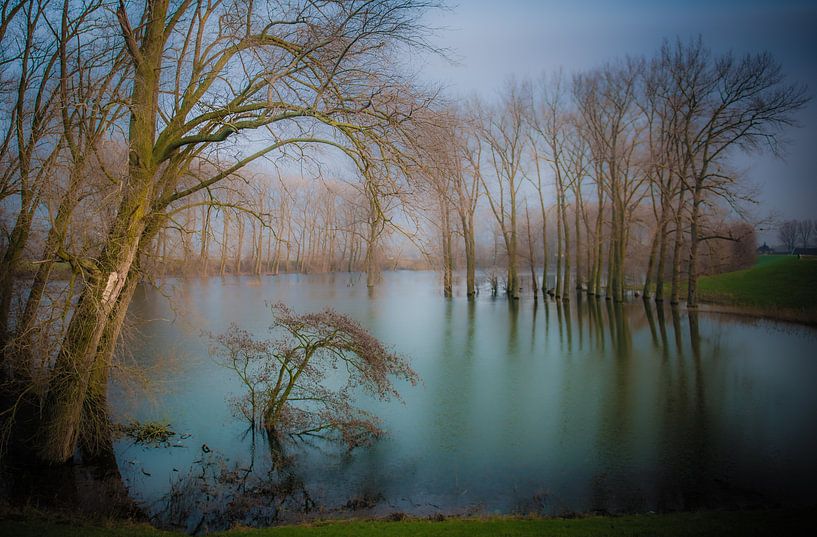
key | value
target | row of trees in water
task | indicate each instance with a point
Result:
(141, 138)
(632, 163)
(594, 182)
(267, 226)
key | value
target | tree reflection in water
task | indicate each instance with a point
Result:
(215, 494)
(526, 406)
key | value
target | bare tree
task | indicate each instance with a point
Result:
(531, 255)
(29, 142)
(606, 102)
(805, 229)
(787, 234)
(661, 167)
(551, 123)
(727, 104)
(467, 181)
(503, 131)
(287, 392)
(89, 96)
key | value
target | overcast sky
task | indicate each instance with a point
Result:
(494, 40)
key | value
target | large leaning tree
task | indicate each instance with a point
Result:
(230, 82)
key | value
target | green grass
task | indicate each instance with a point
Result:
(774, 283)
(721, 523)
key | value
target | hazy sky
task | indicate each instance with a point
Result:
(494, 40)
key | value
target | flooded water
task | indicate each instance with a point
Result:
(523, 407)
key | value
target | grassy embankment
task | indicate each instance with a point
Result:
(780, 287)
(721, 523)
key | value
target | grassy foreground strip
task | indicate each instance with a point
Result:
(777, 286)
(721, 523)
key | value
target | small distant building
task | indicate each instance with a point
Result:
(765, 250)
(804, 251)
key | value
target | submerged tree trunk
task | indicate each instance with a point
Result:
(692, 271)
(239, 246)
(567, 274)
(675, 290)
(225, 235)
(531, 256)
(448, 261)
(597, 262)
(615, 275)
(375, 227)
(661, 255)
(545, 259)
(559, 234)
(610, 268)
(470, 254)
(513, 273)
(577, 227)
(647, 289)
(204, 252)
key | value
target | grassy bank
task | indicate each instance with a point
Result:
(782, 287)
(721, 523)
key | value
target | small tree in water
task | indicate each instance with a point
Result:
(289, 386)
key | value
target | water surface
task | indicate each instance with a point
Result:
(526, 407)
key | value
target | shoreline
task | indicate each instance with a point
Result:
(784, 315)
(783, 521)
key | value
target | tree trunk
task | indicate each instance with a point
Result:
(599, 248)
(204, 252)
(448, 262)
(300, 252)
(589, 249)
(239, 246)
(531, 257)
(647, 289)
(375, 228)
(675, 291)
(692, 271)
(559, 235)
(614, 272)
(513, 273)
(610, 266)
(566, 230)
(470, 255)
(372, 269)
(276, 261)
(253, 246)
(662, 254)
(579, 275)
(9, 266)
(95, 430)
(73, 371)
(259, 250)
(351, 262)
(331, 265)
(74, 366)
(225, 236)
(289, 241)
